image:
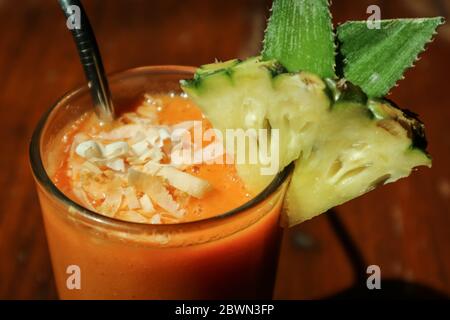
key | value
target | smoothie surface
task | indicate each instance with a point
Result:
(135, 170)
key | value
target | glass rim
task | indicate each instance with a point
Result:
(43, 179)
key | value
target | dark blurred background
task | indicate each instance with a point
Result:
(403, 227)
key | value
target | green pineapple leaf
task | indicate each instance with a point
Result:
(300, 36)
(375, 59)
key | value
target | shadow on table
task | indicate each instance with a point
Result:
(390, 288)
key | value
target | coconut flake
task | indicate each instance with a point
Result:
(152, 135)
(152, 167)
(82, 196)
(89, 149)
(156, 219)
(140, 148)
(180, 155)
(163, 134)
(77, 139)
(96, 187)
(137, 138)
(154, 154)
(185, 182)
(91, 167)
(154, 187)
(147, 112)
(178, 179)
(112, 202)
(132, 200)
(180, 135)
(146, 203)
(116, 165)
(115, 149)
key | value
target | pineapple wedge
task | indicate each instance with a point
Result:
(343, 144)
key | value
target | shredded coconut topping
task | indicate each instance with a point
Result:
(125, 171)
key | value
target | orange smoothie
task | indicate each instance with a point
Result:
(130, 223)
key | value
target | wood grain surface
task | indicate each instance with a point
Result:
(403, 227)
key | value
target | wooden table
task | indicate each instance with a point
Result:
(403, 227)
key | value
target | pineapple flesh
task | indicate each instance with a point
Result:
(342, 143)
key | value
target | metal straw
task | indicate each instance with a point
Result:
(83, 35)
